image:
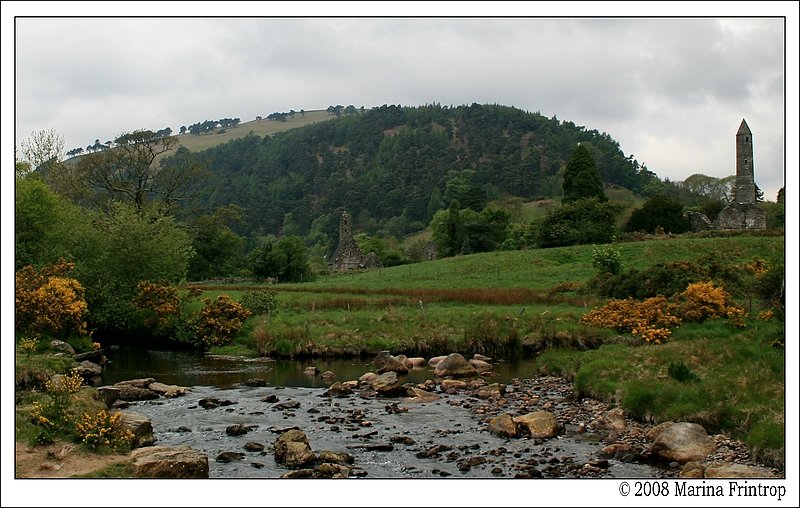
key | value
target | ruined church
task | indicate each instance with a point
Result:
(742, 213)
(347, 255)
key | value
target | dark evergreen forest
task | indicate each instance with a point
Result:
(393, 167)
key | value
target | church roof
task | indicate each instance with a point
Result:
(743, 128)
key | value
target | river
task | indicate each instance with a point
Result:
(388, 437)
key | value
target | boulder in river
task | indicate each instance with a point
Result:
(385, 362)
(324, 470)
(433, 362)
(418, 395)
(492, 391)
(213, 402)
(503, 426)
(140, 426)
(168, 462)
(540, 424)
(452, 384)
(236, 430)
(681, 442)
(226, 457)
(108, 394)
(417, 362)
(292, 449)
(169, 391)
(480, 365)
(454, 366)
(387, 384)
(613, 420)
(338, 389)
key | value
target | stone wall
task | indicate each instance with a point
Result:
(741, 217)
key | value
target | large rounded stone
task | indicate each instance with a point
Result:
(60, 345)
(387, 383)
(682, 442)
(385, 362)
(140, 426)
(436, 360)
(169, 391)
(418, 395)
(167, 462)
(292, 449)
(613, 420)
(540, 424)
(454, 365)
(728, 470)
(503, 426)
(480, 365)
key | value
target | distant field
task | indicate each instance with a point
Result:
(258, 127)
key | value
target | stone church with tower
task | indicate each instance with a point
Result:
(742, 213)
(347, 255)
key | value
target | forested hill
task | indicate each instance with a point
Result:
(392, 167)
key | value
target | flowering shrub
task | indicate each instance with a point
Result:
(48, 302)
(52, 416)
(163, 301)
(650, 319)
(703, 300)
(29, 345)
(103, 429)
(218, 321)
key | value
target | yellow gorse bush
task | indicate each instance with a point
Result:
(219, 321)
(163, 301)
(649, 319)
(66, 384)
(53, 415)
(29, 345)
(48, 302)
(103, 429)
(703, 300)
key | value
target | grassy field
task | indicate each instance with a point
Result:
(260, 128)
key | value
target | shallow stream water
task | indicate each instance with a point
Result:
(443, 438)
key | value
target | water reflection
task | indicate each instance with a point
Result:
(192, 368)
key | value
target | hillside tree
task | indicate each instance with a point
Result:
(128, 171)
(581, 178)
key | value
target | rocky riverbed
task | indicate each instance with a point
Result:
(433, 429)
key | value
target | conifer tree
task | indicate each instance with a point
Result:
(581, 178)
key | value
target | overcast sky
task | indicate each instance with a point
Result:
(672, 91)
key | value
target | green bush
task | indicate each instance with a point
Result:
(659, 212)
(664, 279)
(607, 259)
(580, 222)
